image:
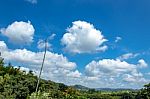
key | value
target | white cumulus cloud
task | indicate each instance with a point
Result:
(57, 67)
(138, 78)
(3, 46)
(75, 74)
(19, 32)
(82, 37)
(142, 63)
(108, 66)
(111, 72)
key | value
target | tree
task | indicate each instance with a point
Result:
(144, 93)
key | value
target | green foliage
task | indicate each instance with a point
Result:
(144, 93)
(39, 95)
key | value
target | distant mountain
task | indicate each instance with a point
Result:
(115, 89)
(80, 87)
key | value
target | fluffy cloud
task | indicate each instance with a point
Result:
(32, 1)
(82, 37)
(138, 78)
(56, 67)
(19, 32)
(142, 63)
(108, 66)
(108, 72)
(127, 56)
(118, 39)
(3, 46)
(115, 71)
(75, 74)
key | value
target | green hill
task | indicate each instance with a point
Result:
(80, 87)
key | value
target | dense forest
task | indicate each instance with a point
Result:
(17, 84)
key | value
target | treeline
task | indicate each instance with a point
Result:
(17, 84)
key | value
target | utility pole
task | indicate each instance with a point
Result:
(1, 59)
(39, 77)
(0, 55)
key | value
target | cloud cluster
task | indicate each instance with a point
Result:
(134, 78)
(108, 66)
(19, 32)
(117, 71)
(82, 37)
(57, 67)
(142, 63)
(108, 72)
(3, 46)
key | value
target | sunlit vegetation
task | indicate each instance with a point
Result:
(17, 84)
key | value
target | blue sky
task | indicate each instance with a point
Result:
(117, 49)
